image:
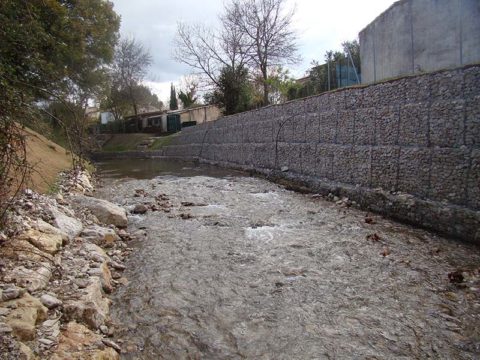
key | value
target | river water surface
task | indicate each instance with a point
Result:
(236, 267)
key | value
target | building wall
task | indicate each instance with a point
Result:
(416, 36)
(408, 148)
(200, 114)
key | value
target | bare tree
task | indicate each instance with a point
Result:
(267, 38)
(130, 66)
(209, 51)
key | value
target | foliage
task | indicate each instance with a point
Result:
(267, 37)
(173, 98)
(187, 94)
(126, 94)
(234, 92)
(188, 99)
(119, 101)
(324, 77)
(280, 84)
(50, 51)
(254, 34)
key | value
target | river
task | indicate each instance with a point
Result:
(236, 267)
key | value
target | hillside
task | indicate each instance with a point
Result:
(47, 159)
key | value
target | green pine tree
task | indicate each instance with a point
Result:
(173, 98)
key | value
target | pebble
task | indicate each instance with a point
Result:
(4, 328)
(12, 293)
(50, 301)
(46, 342)
(139, 209)
(117, 266)
(111, 344)
(81, 283)
(4, 311)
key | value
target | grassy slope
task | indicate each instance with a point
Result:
(47, 159)
(129, 142)
(125, 142)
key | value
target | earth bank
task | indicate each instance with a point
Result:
(59, 258)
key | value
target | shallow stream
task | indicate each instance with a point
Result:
(236, 267)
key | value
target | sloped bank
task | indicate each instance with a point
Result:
(407, 148)
(59, 259)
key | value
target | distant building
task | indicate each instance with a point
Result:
(171, 121)
(198, 115)
(106, 117)
(416, 36)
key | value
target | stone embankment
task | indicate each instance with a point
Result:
(59, 258)
(407, 148)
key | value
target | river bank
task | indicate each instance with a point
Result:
(219, 264)
(61, 257)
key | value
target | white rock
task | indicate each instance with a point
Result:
(45, 227)
(4, 311)
(92, 308)
(11, 293)
(100, 235)
(31, 279)
(4, 328)
(46, 342)
(69, 225)
(50, 301)
(107, 212)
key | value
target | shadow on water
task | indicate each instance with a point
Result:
(149, 168)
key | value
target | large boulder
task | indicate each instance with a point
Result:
(92, 308)
(47, 228)
(100, 235)
(21, 250)
(26, 314)
(47, 242)
(79, 343)
(103, 272)
(32, 279)
(68, 224)
(107, 212)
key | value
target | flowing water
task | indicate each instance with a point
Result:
(236, 267)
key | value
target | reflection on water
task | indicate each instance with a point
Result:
(149, 168)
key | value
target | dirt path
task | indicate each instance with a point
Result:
(238, 267)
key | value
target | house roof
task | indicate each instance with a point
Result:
(146, 114)
(181, 111)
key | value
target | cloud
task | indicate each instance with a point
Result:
(321, 25)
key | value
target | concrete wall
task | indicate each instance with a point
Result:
(408, 148)
(415, 36)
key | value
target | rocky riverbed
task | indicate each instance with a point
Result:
(60, 257)
(234, 267)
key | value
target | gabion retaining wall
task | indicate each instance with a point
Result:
(408, 148)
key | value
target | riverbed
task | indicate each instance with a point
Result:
(237, 267)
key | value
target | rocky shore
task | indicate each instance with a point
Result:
(60, 257)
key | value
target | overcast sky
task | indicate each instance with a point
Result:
(321, 25)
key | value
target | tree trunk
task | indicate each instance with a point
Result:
(265, 87)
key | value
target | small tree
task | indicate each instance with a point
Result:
(187, 94)
(234, 92)
(173, 98)
(131, 63)
(268, 39)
